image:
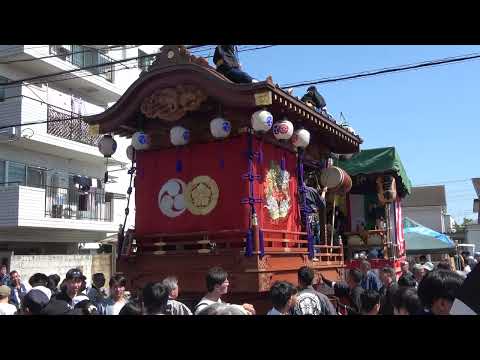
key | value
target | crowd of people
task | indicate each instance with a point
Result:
(423, 289)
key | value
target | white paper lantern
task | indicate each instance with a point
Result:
(220, 128)
(140, 141)
(351, 130)
(130, 153)
(301, 138)
(262, 120)
(179, 135)
(283, 130)
(107, 145)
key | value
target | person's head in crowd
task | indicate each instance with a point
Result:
(84, 285)
(3, 270)
(15, 279)
(131, 308)
(283, 296)
(223, 309)
(117, 286)
(444, 265)
(155, 298)
(387, 276)
(305, 277)
(476, 256)
(38, 279)
(354, 278)
(171, 283)
(423, 259)
(98, 280)
(407, 281)
(5, 292)
(365, 266)
(465, 254)
(418, 272)
(404, 267)
(217, 281)
(370, 300)
(73, 282)
(34, 302)
(438, 289)
(53, 281)
(406, 301)
(86, 307)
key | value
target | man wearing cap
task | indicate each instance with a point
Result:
(5, 307)
(34, 302)
(73, 284)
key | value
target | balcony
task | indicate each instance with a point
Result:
(98, 84)
(83, 56)
(60, 208)
(73, 129)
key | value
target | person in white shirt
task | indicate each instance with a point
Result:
(18, 289)
(117, 300)
(5, 307)
(174, 307)
(283, 296)
(217, 285)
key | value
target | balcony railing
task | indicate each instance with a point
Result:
(70, 129)
(83, 56)
(62, 203)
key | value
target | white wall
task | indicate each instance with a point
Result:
(27, 265)
(429, 216)
(472, 235)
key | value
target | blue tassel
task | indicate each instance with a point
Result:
(249, 245)
(262, 243)
(222, 164)
(283, 163)
(179, 166)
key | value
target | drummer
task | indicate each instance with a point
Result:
(315, 209)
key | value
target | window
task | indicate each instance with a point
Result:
(16, 173)
(3, 80)
(143, 61)
(2, 172)
(35, 177)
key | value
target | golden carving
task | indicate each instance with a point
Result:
(171, 104)
(263, 99)
(265, 281)
(201, 195)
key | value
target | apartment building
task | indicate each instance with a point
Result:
(52, 191)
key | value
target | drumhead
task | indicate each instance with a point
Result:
(332, 177)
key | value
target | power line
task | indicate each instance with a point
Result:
(376, 72)
(17, 83)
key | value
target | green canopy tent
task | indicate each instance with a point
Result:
(421, 240)
(366, 165)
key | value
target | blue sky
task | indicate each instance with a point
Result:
(432, 116)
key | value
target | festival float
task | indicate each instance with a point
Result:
(372, 222)
(218, 171)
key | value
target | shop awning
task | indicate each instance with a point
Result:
(420, 239)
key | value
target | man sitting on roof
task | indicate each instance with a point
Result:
(227, 63)
(313, 99)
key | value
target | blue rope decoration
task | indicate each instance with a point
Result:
(283, 163)
(302, 190)
(178, 166)
(249, 245)
(262, 244)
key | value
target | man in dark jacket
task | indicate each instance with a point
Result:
(63, 302)
(354, 292)
(370, 280)
(390, 286)
(226, 61)
(310, 301)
